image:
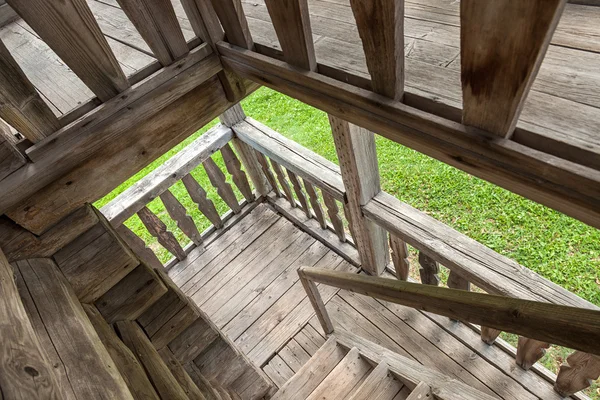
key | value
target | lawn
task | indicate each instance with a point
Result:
(548, 242)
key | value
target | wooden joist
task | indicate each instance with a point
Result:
(156, 21)
(502, 47)
(20, 104)
(70, 29)
(292, 25)
(233, 20)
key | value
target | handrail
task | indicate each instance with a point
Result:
(576, 328)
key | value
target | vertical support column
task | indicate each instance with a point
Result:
(357, 156)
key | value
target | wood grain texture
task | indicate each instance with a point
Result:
(317, 302)
(139, 248)
(217, 179)
(20, 104)
(233, 20)
(578, 373)
(71, 30)
(266, 168)
(179, 214)
(502, 47)
(292, 24)
(298, 190)
(158, 229)
(315, 204)
(399, 257)
(334, 216)
(421, 392)
(428, 270)
(234, 167)
(283, 182)
(199, 196)
(156, 21)
(25, 371)
(380, 24)
(529, 351)
(489, 335)
(11, 158)
(252, 166)
(181, 376)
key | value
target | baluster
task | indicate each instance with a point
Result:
(314, 202)
(580, 371)
(234, 167)
(158, 229)
(139, 248)
(267, 171)
(333, 212)
(399, 257)
(217, 178)
(455, 281)
(429, 270)
(299, 193)
(529, 351)
(205, 205)
(284, 184)
(348, 216)
(489, 335)
(179, 214)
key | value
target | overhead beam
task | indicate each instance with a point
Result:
(502, 45)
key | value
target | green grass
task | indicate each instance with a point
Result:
(555, 246)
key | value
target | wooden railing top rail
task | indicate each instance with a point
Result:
(576, 328)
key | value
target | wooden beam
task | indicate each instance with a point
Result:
(20, 104)
(11, 158)
(25, 372)
(576, 328)
(380, 25)
(291, 21)
(502, 47)
(357, 156)
(70, 29)
(233, 20)
(549, 180)
(157, 23)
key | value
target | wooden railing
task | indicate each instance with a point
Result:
(576, 328)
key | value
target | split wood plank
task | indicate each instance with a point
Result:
(315, 204)
(233, 20)
(281, 177)
(71, 333)
(156, 21)
(139, 248)
(199, 196)
(73, 33)
(380, 24)
(217, 179)
(400, 257)
(578, 373)
(179, 214)
(165, 383)
(21, 105)
(128, 365)
(22, 355)
(158, 229)
(299, 192)
(234, 167)
(334, 216)
(262, 160)
(496, 78)
(292, 24)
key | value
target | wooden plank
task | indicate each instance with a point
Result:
(22, 355)
(7, 14)
(193, 340)
(22, 107)
(294, 355)
(252, 166)
(355, 148)
(158, 181)
(278, 371)
(234, 167)
(379, 385)
(489, 335)
(71, 333)
(72, 32)
(139, 248)
(181, 376)
(292, 25)
(233, 20)
(428, 270)
(11, 158)
(127, 364)
(179, 214)
(282, 179)
(381, 27)
(399, 257)
(421, 392)
(158, 229)
(315, 204)
(299, 192)
(496, 80)
(334, 216)
(156, 21)
(262, 160)
(165, 383)
(199, 196)
(217, 179)
(317, 302)
(175, 326)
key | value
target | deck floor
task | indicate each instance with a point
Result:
(246, 281)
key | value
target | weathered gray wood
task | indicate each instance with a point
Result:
(193, 340)
(205, 205)
(22, 357)
(165, 383)
(73, 33)
(456, 281)
(357, 156)
(281, 177)
(495, 79)
(429, 270)
(380, 24)
(127, 364)
(177, 167)
(315, 204)
(158, 229)
(299, 192)
(399, 257)
(252, 166)
(7, 14)
(529, 351)
(578, 373)
(180, 321)
(178, 212)
(11, 158)
(292, 24)
(71, 333)
(317, 302)
(379, 385)
(234, 167)
(20, 104)
(334, 216)
(156, 21)
(421, 392)
(233, 20)
(181, 376)
(233, 116)
(139, 248)
(217, 179)
(262, 160)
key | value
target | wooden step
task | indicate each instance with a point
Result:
(379, 385)
(312, 374)
(345, 378)
(421, 392)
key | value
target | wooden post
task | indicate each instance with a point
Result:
(231, 15)
(356, 152)
(581, 370)
(312, 292)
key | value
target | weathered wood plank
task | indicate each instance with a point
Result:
(334, 216)
(489, 335)
(181, 376)
(234, 167)
(282, 178)
(496, 79)
(299, 192)
(315, 204)
(20, 104)
(421, 392)
(199, 196)
(262, 160)
(139, 248)
(22, 355)
(178, 212)
(429, 270)
(578, 373)
(71, 30)
(399, 257)
(253, 166)
(233, 20)
(11, 158)
(156, 21)
(380, 385)
(317, 302)
(158, 229)
(217, 179)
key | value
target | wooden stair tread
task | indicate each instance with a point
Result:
(421, 392)
(379, 385)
